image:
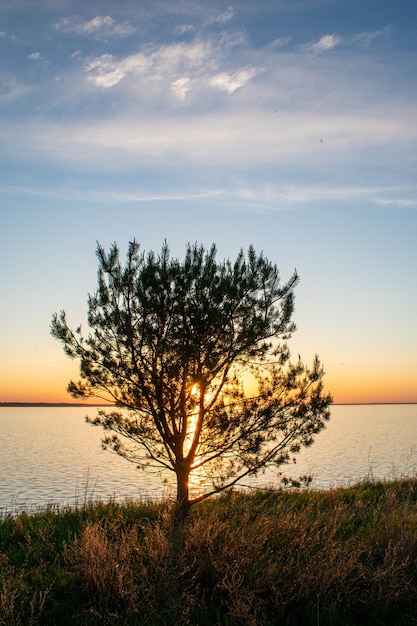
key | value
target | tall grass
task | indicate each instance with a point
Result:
(344, 556)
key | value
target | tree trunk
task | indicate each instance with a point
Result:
(182, 505)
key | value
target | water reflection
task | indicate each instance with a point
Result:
(50, 455)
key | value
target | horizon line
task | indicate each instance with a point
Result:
(93, 404)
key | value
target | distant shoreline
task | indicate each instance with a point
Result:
(369, 403)
(52, 404)
(100, 404)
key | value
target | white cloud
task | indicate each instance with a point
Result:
(175, 68)
(230, 41)
(257, 195)
(333, 97)
(181, 29)
(327, 42)
(402, 203)
(105, 71)
(97, 23)
(113, 196)
(221, 138)
(367, 37)
(34, 56)
(225, 17)
(280, 42)
(180, 87)
(159, 64)
(230, 82)
(101, 25)
(276, 196)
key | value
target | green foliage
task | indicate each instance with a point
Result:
(345, 556)
(170, 344)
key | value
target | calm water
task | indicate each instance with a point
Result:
(51, 456)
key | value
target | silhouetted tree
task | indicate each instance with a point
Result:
(170, 343)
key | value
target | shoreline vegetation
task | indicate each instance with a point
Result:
(343, 556)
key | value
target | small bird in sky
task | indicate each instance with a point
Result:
(321, 140)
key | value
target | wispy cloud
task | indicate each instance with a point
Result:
(101, 26)
(281, 42)
(180, 87)
(226, 138)
(224, 17)
(259, 195)
(134, 194)
(215, 104)
(329, 42)
(325, 43)
(230, 82)
(401, 202)
(293, 195)
(274, 197)
(168, 63)
(367, 37)
(176, 66)
(181, 29)
(35, 56)
(106, 71)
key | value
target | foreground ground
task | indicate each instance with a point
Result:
(346, 556)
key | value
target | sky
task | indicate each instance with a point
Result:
(286, 124)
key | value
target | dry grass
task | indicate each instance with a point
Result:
(347, 556)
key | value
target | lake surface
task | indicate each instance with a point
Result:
(52, 456)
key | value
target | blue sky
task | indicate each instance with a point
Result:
(287, 124)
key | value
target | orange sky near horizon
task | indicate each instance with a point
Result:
(47, 381)
(292, 131)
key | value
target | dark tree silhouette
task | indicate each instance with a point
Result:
(170, 342)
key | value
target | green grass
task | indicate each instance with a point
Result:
(345, 556)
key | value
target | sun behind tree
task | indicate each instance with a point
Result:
(170, 342)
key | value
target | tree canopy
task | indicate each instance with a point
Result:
(170, 343)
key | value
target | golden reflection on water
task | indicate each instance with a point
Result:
(45, 453)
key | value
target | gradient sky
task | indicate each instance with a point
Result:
(289, 124)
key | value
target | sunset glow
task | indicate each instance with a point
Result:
(289, 126)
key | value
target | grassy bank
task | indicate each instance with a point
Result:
(346, 556)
